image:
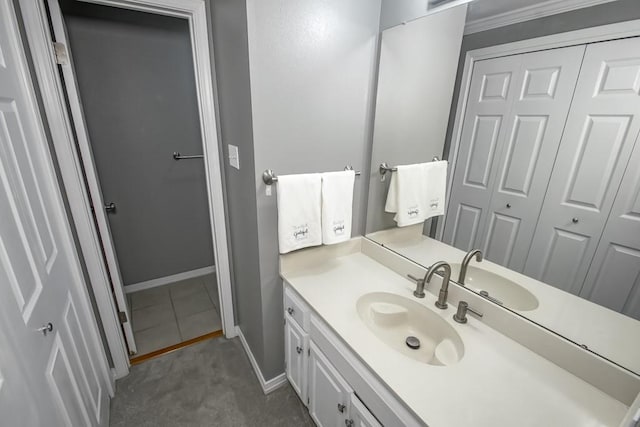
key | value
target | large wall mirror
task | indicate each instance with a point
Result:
(543, 155)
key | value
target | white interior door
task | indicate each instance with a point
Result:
(613, 279)
(601, 129)
(517, 109)
(490, 100)
(544, 87)
(57, 375)
(73, 96)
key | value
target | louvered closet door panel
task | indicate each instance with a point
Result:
(543, 90)
(599, 136)
(613, 279)
(489, 103)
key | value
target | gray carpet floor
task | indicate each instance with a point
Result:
(206, 384)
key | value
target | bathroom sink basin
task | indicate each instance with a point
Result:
(507, 292)
(393, 319)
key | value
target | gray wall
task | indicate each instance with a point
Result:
(396, 12)
(228, 20)
(294, 83)
(137, 84)
(311, 71)
(608, 13)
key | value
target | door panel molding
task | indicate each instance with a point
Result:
(570, 38)
(37, 248)
(43, 57)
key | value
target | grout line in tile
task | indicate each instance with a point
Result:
(175, 317)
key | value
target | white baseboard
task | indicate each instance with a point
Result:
(160, 281)
(267, 386)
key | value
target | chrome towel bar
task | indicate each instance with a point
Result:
(178, 156)
(269, 176)
(384, 167)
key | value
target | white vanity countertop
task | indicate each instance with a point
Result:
(498, 382)
(604, 331)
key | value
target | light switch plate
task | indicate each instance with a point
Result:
(234, 157)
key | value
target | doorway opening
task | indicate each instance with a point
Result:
(133, 81)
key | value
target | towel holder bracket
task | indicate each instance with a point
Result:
(384, 167)
(269, 177)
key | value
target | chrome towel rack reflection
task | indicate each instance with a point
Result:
(178, 156)
(269, 176)
(384, 167)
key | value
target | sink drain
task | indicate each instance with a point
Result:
(413, 342)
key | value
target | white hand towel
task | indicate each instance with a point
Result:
(417, 192)
(436, 187)
(299, 221)
(337, 206)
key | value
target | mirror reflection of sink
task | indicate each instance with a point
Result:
(509, 293)
(393, 319)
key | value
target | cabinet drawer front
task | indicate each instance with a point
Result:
(295, 309)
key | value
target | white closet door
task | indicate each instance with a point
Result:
(614, 277)
(543, 91)
(600, 133)
(517, 109)
(65, 372)
(490, 98)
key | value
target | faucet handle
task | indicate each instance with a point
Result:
(414, 278)
(419, 292)
(461, 314)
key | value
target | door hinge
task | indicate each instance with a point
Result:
(122, 315)
(60, 50)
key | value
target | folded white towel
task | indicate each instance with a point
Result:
(417, 192)
(299, 221)
(436, 188)
(337, 206)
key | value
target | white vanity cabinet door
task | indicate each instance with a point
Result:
(296, 343)
(328, 392)
(359, 415)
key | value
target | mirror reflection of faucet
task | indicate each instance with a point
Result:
(486, 295)
(465, 263)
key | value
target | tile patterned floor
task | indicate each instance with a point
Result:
(173, 313)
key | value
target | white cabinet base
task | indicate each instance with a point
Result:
(337, 387)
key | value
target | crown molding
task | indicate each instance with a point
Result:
(540, 10)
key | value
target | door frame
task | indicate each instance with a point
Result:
(571, 38)
(43, 56)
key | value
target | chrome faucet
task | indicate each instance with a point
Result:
(444, 290)
(465, 263)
